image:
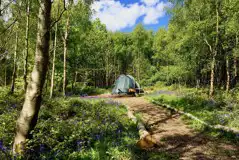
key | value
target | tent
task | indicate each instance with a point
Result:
(126, 84)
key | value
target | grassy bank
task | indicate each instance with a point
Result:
(222, 110)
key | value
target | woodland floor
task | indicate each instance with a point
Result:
(173, 135)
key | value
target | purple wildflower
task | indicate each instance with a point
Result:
(79, 144)
(2, 146)
(42, 148)
(97, 137)
(118, 131)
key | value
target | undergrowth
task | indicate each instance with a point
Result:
(72, 128)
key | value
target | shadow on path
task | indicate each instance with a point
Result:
(175, 137)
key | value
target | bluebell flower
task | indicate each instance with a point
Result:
(118, 131)
(1, 144)
(226, 115)
(97, 137)
(57, 152)
(79, 144)
(42, 147)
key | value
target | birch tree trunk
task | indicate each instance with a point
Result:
(65, 39)
(107, 69)
(228, 74)
(53, 63)
(235, 66)
(235, 60)
(14, 65)
(0, 8)
(214, 54)
(26, 46)
(5, 80)
(29, 113)
(212, 76)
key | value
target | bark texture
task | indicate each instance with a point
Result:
(26, 46)
(14, 72)
(65, 39)
(228, 74)
(214, 54)
(53, 63)
(29, 113)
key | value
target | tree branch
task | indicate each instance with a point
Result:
(210, 47)
(6, 6)
(9, 26)
(58, 19)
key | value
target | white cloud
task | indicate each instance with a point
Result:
(150, 2)
(154, 13)
(117, 16)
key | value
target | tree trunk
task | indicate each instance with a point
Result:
(212, 77)
(107, 70)
(235, 60)
(214, 54)
(65, 53)
(5, 80)
(26, 46)
(14, 65)
(0, 8)
(228, 74)
(53, 63)
(235, 66)
(138, 70)
(29, 113)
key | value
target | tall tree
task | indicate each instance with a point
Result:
(29, 113)
(26, 45)
(65, 43)
(54, 55)
(14, 64)
(215, 52)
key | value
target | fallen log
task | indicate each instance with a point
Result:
(146, 140)
(216, 127)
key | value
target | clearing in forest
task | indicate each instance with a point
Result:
(174, 136)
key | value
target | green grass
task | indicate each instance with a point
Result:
(209, 111)
(223, 110)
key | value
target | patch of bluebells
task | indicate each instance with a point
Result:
(223, 119)
(42, 148)
(97, 137)
(237, 135)
(2, 147)
(97, 123)
(79, 144)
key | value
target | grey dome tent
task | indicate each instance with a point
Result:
(125, 84)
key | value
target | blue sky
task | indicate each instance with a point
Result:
(124, 15)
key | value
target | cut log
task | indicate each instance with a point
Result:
(146, 140)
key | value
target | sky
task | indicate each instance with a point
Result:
(124, 15)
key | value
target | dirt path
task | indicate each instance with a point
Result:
(174, 136)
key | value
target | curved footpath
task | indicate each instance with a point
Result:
(174, 136)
